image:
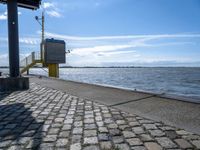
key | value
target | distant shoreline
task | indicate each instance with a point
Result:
(6, 67)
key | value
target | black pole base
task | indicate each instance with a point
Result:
(14, 84)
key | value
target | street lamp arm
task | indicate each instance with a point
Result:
(37, 19)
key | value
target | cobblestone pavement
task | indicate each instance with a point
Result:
(44, 118)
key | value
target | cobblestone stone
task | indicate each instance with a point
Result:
(166, 128)
(54, 131)
(145, 137)
(182, 132)
(50, 138)
(153, 146)
(138, 148)
(103, 130)
(76, 146)
(61, 142)
(64, 134)
(156, 133)
(118, 139)
(103, 137)
(90, 140)
(88, 133)
(78, 123)
(196, 143)
(4, 144)
(90, 126)
(166, 142)
(124, 127)
(128, 134)
(149, 126)
(43, 118)
(138, 130)
(115, 132)
(191, 137)
(183, 143)
(76, 138)
(112, 126)
(133, 124)
(122, 146)
(171, 134)
(77, 130)
(106, 145)
(67, 127)
(134, 141)
(92, 147)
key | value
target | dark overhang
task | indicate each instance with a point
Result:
(29, 4)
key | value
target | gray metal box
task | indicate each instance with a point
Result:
(54, 51)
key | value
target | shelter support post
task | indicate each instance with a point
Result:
(13, 36)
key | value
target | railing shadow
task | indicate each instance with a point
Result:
(19, 127)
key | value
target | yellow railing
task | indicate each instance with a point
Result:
(30, 61)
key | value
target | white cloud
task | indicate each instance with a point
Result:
(47, 5)
(149, 37)
(106, 45)
(3, 56)
(130, 52)
(53, 13)
(101, 50)
(3, 16)
(24, 40)
(29, 40)
(3, 59)
(97, 50)
(51, 9)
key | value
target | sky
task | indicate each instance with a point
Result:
(113, 32)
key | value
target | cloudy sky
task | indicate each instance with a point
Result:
(113, 32)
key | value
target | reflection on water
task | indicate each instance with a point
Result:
(178, 81)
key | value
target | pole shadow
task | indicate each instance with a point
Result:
(18, 127)
(4, 94)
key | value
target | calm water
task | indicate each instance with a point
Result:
(175, 81)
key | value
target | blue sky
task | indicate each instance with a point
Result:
(113, 32)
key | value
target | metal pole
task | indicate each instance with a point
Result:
(42, 40)
(42, 26)
(13, 36)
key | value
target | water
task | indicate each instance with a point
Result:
(175, 81)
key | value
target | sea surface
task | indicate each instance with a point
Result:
(174, 81)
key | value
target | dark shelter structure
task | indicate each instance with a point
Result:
(13, 40)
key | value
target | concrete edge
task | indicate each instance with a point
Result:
(161, 95)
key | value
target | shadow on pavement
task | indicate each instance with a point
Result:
(18, 127)
(4, 94)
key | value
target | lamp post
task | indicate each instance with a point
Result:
(42, 37)
(41, 24)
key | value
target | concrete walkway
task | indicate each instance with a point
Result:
(180, 114)
(45, 118)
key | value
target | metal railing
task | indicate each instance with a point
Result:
(30, 59)
(37, 56)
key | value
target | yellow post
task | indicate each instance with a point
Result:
(53, 70)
